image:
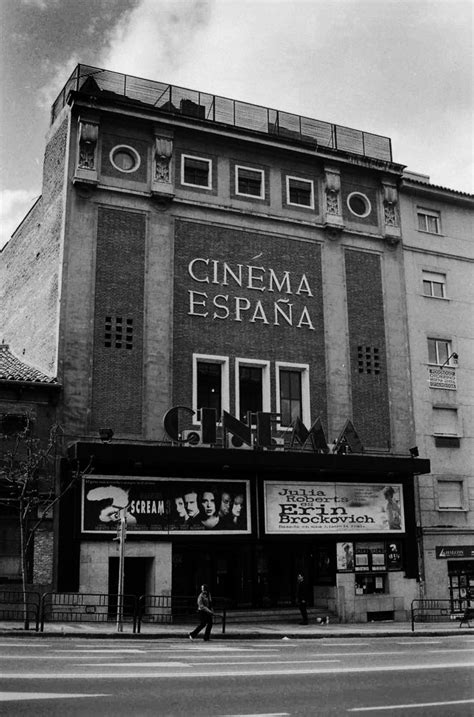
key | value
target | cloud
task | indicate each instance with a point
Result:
(14, 205)
(58, 74)
(156, 35)
(41, 4)
(400, 69)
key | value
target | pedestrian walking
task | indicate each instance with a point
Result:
(301, 598)
(204, 606)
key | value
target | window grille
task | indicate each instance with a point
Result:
(118, 332)
(368, 360)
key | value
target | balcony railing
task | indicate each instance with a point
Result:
(224, 111)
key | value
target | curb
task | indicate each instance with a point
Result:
(19, 632)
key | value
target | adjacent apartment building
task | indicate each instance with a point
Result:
(439, 254)
(220, 289)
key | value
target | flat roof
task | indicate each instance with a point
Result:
(209, 108)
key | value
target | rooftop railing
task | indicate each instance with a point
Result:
(223, 111)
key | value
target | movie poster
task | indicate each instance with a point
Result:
(345, 557)
(299, 508)
(157, 506)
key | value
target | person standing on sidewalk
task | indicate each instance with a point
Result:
(301, 598)
(204, 603)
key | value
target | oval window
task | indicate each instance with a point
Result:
(359, 204)
(124, 158)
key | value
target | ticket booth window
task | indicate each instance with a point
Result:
(370, 584)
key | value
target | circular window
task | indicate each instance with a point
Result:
(124, 158)
(359, 204)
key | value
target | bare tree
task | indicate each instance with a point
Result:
(29, 485)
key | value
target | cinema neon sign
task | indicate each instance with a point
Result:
(257, 431)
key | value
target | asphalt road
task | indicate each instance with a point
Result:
(265, 678)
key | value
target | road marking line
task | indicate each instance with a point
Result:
(327, 643)
(451, 649)
(229, 673)
(261, 714)
(410, 706)
(419, 642)
(106, 650)
(134, 664)
(274, 662)
(17, 696)
(24, 644)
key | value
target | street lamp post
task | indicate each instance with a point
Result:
(122, 534)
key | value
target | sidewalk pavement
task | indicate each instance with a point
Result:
(243, 631)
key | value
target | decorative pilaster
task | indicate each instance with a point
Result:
(332, 214)
(87, 145)
(391, 212)
(162, 186)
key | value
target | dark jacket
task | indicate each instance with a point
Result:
(204, 602)
(301, 591)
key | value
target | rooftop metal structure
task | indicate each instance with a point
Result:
(223, 111)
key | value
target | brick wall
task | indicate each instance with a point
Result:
(30, 269)
(251, 337)
(118, 329)
(365, 308)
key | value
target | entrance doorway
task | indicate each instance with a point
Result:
(225, 568)
(135, 579)
(254, 575)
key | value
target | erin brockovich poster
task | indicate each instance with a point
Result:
(333, 508)
(161, 505)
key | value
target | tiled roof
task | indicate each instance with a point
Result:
(437, 186)
(12, 369)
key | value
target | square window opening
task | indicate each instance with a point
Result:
(250, 390)
(450, 495)
(249, 182)
(300, 192)
(196, 172)
(428, 221)
(209, 385)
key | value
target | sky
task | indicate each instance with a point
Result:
(399, 68)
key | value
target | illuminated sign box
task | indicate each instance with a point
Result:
(165, 506)
(297, 508)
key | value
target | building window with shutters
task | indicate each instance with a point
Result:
(211, 383)
(299, 192)
(196, 172)
(252, 387)
(446, 427)
(292, 393)
(249, 182)
(428, 221)
(434, 284)
(440, 353)
(451, 494)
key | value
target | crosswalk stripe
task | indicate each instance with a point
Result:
(20, 696)
(409, 706)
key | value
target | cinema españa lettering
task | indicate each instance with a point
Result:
(333, 508)
(287, 309)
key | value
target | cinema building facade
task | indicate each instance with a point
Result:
(222, 298)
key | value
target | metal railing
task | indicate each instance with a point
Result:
(133, 609)
(87, 607)
(438, 610)
(224, 111)
(18, 606)
(175, 609)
